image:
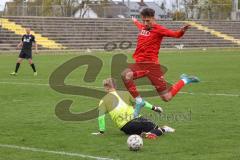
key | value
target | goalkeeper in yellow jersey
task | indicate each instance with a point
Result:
(119, 104)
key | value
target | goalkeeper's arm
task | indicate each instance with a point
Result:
(101, 124)
(101, 118)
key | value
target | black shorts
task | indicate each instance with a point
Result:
(138, 125)
(27, 54)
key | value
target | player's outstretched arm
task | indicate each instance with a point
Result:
(171, 33)
(101, 118)
(101, 124)
(137, 23)
(185, 28)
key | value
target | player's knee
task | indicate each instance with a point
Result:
(127, 75)
(19, 60)
(166, 97)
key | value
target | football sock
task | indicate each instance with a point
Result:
(163, 130)
(138, 99)
(177, 87)
(17, 67)
(158, 132)
(33, 67)
(139, 104)
(148, 105)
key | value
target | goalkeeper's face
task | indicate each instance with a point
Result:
(148, 21)
(109, 84)
(109, 88)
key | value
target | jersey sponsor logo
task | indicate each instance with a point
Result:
(27, 39)
(144, 33)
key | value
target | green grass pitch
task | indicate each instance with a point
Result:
(207, 130)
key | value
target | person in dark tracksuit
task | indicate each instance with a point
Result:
(26, 51)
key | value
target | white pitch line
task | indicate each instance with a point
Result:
(38, 79)
(24, 83)
(212, 94)
(52, 152)
(191, 93)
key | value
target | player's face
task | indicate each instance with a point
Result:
(106, 88)
(109, 87)
(148, 21)
(28, 30)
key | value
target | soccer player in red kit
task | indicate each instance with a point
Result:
(146, 57)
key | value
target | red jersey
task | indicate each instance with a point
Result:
(149, 41)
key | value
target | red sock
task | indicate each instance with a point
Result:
(177, 87)
(131, 87)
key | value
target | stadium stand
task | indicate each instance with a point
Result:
(231, 28)
(73, 33)
(20, 30)
(6, 38)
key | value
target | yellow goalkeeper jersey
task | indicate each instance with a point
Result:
(119, 104)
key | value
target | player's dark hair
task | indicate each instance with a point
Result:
(147, 12)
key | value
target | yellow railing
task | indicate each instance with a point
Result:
(20, 30)
(214, 32)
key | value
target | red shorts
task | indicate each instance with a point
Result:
(154, 72)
